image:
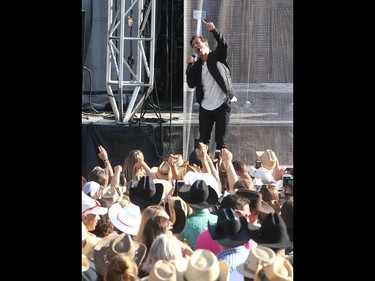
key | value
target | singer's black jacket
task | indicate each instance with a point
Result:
(217, 66)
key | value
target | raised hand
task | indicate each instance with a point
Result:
(209, 25)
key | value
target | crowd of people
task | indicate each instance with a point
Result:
(182, 221)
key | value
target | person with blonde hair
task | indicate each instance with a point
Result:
(135, 166)
(150, 212)
(153, 227)
(270, 194)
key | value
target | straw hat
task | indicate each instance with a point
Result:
(167, 270)
(110, 195)
(186, 167)
(269, 159)
(203, 265)
(178, 211)
(280, 270)
(258, 257)
(162, 271)
(163, 171)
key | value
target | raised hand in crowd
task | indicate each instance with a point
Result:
(207, 164)
(103, 155)
(227, 158)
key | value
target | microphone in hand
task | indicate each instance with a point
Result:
(192, 57)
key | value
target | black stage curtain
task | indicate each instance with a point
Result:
(119, 140)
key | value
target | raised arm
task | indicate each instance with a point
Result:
(222, 44)
(232, 177)
(103, 155)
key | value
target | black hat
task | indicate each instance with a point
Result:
(146, 193)
(272, 233)
(230, 230)
(199, 194)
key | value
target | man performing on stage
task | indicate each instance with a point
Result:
(211, 76)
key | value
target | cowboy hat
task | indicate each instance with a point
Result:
(167, 188)
(177, 209)
(203, 265)
(185, 168)
(113, 244)
(280, 270)
(256, 201)
(258, 257)
(163, 171)
(162, 271)
(230, 231)
(191, 177)
(91, 206)
(124, 243)
(272, 232)
(199, 195)
(110, 195)
(146, 192)
(127, 219)
(268, 158)
(167, 270)
(91, 187)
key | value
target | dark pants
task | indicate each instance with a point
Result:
(220, 117)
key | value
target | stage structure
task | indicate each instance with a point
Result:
(126, 17)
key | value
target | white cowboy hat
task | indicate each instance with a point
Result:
(127, 219)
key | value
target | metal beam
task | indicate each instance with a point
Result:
(126, 17)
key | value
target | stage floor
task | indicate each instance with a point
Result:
(177, 118)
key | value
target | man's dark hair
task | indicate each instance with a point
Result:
(204, 40)
(234, 201)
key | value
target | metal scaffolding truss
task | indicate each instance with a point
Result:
(124, 19)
